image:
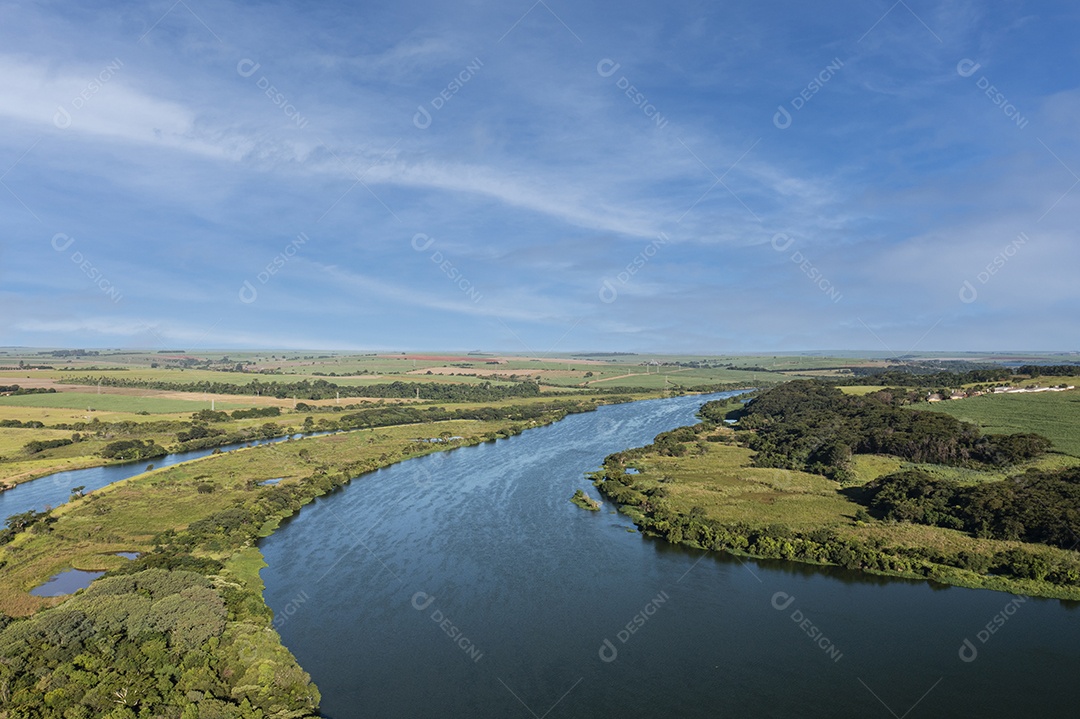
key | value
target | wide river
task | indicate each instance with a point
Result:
(465, 584)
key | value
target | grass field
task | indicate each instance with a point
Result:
(723, 483)
(859, 389)
(867, 467)
(1055, 415)
(112, 403)
(362, 369)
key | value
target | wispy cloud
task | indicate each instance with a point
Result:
(168, 143)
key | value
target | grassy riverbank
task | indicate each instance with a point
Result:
(698, 486)
(195, 524)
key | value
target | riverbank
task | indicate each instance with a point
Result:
(205, 516)
(711, 497)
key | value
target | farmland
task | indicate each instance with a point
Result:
(1055, 415)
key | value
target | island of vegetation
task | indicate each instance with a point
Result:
(584, 501)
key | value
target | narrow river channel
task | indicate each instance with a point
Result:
(55, 489)
(465, 584)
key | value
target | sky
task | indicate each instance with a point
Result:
(700, 177)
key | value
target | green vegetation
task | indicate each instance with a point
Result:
(40, 445)
(107, 402)
(772, 491)
(584, 501)
(813, 426)
(182, 630)
(322, 389)
(1055, 415)
(1037, 506)
(153, 643)
(927, 377)
(126, 450)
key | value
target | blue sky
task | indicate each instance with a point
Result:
(704, 177)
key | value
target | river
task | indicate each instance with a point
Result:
(465, 584)
(55, 489)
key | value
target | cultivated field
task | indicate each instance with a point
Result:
(1055, 415)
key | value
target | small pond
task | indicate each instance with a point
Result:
(67, 582)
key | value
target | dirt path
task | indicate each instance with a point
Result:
(635, 374)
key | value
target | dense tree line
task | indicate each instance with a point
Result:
(40, 445)
(934, 376)
(256, 412)
(721, 386)
(74, 353)
(122, 428)
(1058, 370)
(925, 377)
(1037, 506)
(321, 389)
(812, 426)
(132, 449)
(15, 390)
(407, 414)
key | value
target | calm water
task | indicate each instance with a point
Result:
(465, 584)
(55, 489)
(67, 582)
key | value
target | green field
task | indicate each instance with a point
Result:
(860, 389)
(1055, 415)
(867, 467)
(113, 403)
(729, 489)
(359, 369)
